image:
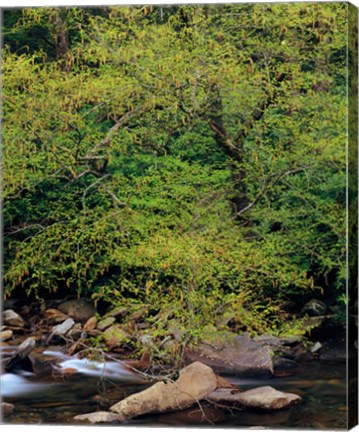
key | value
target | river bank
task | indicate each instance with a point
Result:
(66, 374)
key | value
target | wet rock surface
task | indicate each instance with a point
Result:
(21, 354)
(261, 398)
(99, 417)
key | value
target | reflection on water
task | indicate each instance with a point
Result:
(96, 386)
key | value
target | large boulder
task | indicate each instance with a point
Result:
(244, 357)
(80, 309)
(195, 382)
(261, 398)
(11, 318)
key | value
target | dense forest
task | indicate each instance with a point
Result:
(189, 159)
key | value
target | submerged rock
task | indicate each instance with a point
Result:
(99, 417)
(79, 310)
(10, 317)
(195, 382)
(263, 398)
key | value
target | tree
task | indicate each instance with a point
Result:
(187, 155)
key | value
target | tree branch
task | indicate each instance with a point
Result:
(267, 185)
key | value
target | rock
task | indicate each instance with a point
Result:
(7, 409)
(283, 366)
(90, 324)
(195, 382)
(11, 318)
(139, 314)
(223, 383)
(310, 323)
(140, 365)
(61, 329)
(99, 417)
(118, 312)
(176, 329)
(21, 354)
(334, 350)
(245, 357)
(316, 347)
(75, 332)
(6, 335)
(263, 398)
(79, 310)
(146, 341)
(106, 323)
(116, 336)
(55, 316)
(42, 363)
(314, 308)
(278, 342)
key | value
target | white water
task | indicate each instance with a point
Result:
(13, 385)
(111, 369)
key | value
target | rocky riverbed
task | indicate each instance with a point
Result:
(52, 344)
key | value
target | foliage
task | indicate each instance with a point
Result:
(187, 157)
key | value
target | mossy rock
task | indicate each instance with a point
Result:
(116, 336)
(106, 323)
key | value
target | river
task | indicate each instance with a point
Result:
(97, 386)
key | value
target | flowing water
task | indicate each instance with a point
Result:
(57, 399)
